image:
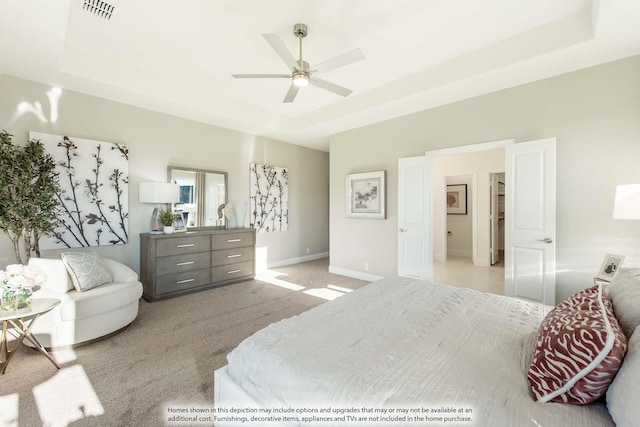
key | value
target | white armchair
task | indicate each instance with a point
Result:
(87, 315)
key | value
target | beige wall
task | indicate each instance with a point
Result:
(157, 140)
(595, 115)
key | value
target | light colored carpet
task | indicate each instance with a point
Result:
(166, 357)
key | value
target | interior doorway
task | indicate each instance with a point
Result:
(462, 239)
(529, 221)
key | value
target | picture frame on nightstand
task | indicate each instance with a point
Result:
(178, 223)
(610, 266)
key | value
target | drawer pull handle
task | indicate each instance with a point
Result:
(186, 263)
(179, 282)
(233, 240)
(234, 256)
(188, 245)
(233, 271)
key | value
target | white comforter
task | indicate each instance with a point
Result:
(406, 343)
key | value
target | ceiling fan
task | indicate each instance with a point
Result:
(301, 73)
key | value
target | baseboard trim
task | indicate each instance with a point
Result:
(298, 260)
(354, 274)
(462, 253)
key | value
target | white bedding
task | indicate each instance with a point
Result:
(406, 343)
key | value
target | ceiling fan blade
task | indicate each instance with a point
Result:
(278, 45)
(331, 87)
(291, 93)
(261, 76)
(339, 61)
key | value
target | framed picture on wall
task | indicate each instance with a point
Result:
(457, 199)
(610, 266)
(366, 195)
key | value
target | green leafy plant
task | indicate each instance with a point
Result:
(28, 194)
(167, 217)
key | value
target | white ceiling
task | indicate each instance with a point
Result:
(178, 56)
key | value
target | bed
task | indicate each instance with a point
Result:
(406, 349)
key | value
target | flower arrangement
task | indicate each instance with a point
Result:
(16, 284)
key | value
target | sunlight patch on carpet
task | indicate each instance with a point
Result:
(324, 293)
(63, 356)
(9, 412)
(339, 288)
(329, 293)
(270, 276)
(67, 397)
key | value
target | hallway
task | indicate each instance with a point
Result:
(460, 271)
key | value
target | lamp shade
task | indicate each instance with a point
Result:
(159, 192)
(627, 204)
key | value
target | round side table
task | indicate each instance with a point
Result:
(21, 321)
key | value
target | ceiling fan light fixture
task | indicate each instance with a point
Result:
(300, 79)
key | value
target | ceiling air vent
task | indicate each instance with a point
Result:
(98, 7)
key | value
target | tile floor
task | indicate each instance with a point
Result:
(460, 271)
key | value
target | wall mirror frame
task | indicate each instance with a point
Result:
(202, 193)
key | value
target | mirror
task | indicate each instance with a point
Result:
(202, 192)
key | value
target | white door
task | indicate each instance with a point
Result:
(494, 188)
(415, 213)
(530, 226)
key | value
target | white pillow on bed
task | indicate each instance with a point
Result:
(624, 292)
(623, 396)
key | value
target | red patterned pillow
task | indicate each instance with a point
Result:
(579, 349)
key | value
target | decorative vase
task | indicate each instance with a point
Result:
(15, 298)
(168, 229)
(238, 214)
(241, 212)
(231, 222)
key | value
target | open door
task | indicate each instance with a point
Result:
(530, 224)
(415, 213)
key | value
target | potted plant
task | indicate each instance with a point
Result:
(28, 194)
(167, 218)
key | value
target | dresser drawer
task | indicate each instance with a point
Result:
(182, 245)
(231, 256)
(180, 263)
(231, 271)
(231, 240)
(181, 281)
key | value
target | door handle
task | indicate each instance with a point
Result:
(546, 240)
(402, 230)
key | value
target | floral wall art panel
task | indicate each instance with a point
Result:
(269, 198)
(94, 192)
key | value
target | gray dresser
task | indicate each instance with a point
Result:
(179, 263)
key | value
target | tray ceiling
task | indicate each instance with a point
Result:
(178, 57)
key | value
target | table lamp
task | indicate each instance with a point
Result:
(158, 193)
(627, 203)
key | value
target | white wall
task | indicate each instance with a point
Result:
(157, 140)
(593, 113)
